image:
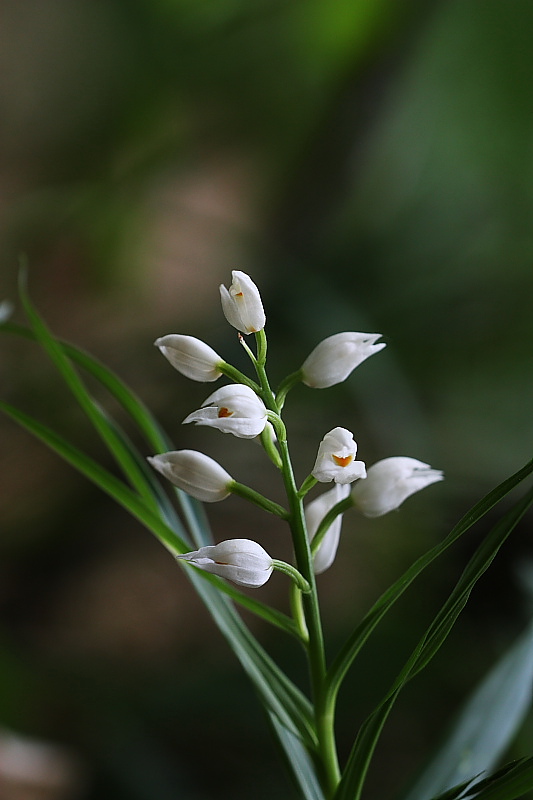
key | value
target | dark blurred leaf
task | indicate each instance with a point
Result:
(486, 725)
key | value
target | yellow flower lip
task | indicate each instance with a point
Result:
(342, 461)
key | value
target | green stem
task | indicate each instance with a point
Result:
(293, 574)
(237, 376)
(286, 385)
(333, 513)
(308, 484)
(255, 497)
(324, 710)
(298, 614)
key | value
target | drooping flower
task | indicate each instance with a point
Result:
(242, 305)
(335, 357)
(336, 458)
(197, 474)
(314, 514)
(190, 356)
(232, 409)
(242, 561)
(391, 481)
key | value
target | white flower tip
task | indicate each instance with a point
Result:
(335, 460)
(195, 473)
(333, 359)
(190, 356)
(241, 303)
(241, 561)
(391, 481)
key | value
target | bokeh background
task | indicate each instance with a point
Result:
(370, 164)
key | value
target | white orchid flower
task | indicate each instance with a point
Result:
(242, 304)
(336, 458)
(197, 474)
(232, 409)
(391, 481)
(337, 356)
(190, 356)
(314, 514)
(242, 561)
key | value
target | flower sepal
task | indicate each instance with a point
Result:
(242, 305)
(241, 561)
(195, 473)
(391, 481)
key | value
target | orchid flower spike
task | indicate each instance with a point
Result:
(190, 356)
(239, 560)
(391, 481)
(336, 458)
(335, 357)
(314, 514)
(242, 305)
(197, 474)
(232, 409)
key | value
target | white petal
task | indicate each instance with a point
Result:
(242, 561)
(391, 481)
(337, 356)
(197, 474)
(190, 356)
(242, 304)
(336, 458)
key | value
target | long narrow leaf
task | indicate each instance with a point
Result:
(486, 725)
(298, 761)
(87, 403)
(357, 766)
(510, 785)
(143, 418)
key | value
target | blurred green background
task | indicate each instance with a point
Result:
(370, 164)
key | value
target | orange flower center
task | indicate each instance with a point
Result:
(342, 461)
(224, 412)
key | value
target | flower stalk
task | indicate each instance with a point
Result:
(249, 409)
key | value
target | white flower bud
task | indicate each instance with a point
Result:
(335, 357)
(314, 514)
(190, 356)
(391, 481)
(232, 409)
(197, 474)
(242, 304)
(239, 560)
(336, 458)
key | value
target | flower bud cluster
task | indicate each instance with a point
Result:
(248, 410)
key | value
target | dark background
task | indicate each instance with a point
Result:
(370, 164)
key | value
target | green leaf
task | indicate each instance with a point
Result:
(297, 760)
(87, 403)
(486, 725)
(353, 778)
(118, 490)
(506, 784)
